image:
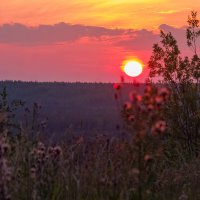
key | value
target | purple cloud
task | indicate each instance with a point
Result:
(140, 40)
(135, 40)
(49, 34)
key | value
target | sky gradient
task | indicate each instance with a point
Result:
(83, 40)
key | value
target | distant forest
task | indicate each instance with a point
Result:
(83, 108)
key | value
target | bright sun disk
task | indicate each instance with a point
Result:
(133, 68)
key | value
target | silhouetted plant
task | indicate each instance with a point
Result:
(193, 31)
(8, 111)
(143, 117)
(181, 75)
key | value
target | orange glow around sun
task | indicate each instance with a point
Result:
(132, 68)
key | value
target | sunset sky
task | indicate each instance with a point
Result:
(83, 40)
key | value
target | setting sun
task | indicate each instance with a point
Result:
(133, 68)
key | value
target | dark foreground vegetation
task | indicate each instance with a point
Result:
(158, 157)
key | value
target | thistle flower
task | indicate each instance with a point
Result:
(57, 150)
(5, 148)
(33, 173)
(164, 93)
(41, 146)
(158, 101)
(148, 158)
(117, 86)
(127, 106)
(131, 118)
(138, 98)
(183, 196)
(50, 150)
(150, 107)
(159, 127)
(148, 89)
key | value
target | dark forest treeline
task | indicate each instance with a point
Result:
(80, 107)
